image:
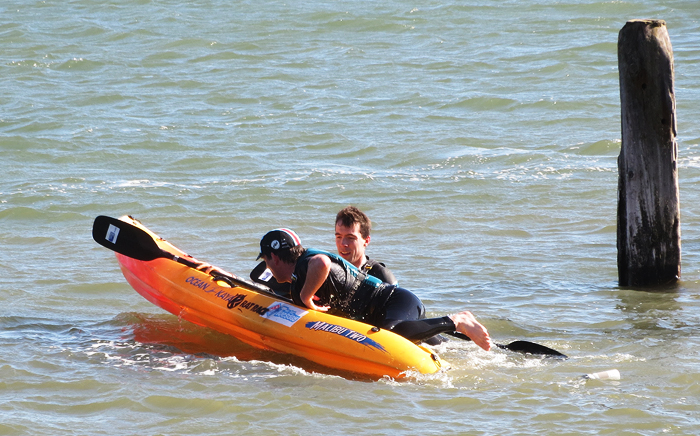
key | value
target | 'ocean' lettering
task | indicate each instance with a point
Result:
(233, 300)
(201, 284)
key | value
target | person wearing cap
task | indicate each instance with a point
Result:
(326, 282)
(262, 274)
(352, 236)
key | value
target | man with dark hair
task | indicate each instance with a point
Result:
(352, 236)
(326, 282)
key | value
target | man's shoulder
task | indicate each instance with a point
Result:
(379, 270)
(371, 263)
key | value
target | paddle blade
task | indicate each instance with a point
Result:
(125, 239)
(520, 347)
(532, 348)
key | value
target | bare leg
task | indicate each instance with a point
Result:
(468, 325)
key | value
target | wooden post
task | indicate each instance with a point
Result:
(648, 214)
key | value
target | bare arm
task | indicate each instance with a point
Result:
(319, 267)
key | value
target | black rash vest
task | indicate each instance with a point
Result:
(346, 289)
(379, 270)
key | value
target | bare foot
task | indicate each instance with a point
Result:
(468, 325)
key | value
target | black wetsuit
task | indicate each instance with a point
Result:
(378, 270)
(353, 294)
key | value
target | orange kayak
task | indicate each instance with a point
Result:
(267, 321)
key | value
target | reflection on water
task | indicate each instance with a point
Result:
(655, 313)
(157, 333)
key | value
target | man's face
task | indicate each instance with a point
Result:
(272, 266)
(280, 271)
(350, 243)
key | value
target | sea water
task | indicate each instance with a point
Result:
(481, 137)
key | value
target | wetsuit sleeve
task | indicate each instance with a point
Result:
(421, 329)
(381, 272)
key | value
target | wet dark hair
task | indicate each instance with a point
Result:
(291, 255)
(350, 215)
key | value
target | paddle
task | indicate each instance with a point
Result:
(136, 243)
(520, 347)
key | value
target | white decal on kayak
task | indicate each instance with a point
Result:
(112, 233)
(284, 313)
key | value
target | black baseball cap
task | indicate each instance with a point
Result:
(277, 240)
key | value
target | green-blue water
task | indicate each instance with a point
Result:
(481, 138)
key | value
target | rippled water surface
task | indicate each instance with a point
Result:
(481, 138)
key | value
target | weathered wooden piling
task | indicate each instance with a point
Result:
(648, 214)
